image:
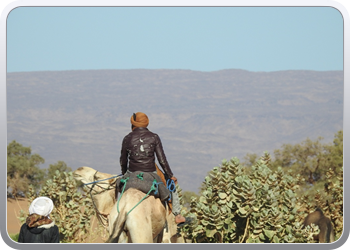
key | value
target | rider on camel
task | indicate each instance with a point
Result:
(139, 147)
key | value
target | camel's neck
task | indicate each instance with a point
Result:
(104, 201)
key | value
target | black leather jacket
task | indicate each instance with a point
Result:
(139, 147)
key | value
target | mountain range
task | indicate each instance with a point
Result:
(81, 117)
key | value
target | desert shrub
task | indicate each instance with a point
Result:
(255, 207)
(330, 200)
(73, 208)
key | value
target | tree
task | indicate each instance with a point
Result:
(187, 197)
(334, 158)
(22, 168)
(60, 166)
(305, 158)
(250, 159)
(312, 159)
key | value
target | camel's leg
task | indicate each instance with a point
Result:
(331, 235)
(140, 232)
(326, 230)
(123, 238)
(322, 236)
(159, 238)
(118, 227)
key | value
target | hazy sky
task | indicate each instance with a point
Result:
(196, 38)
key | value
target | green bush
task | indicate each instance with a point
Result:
(257, 207)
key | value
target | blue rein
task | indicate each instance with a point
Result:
(102, 180)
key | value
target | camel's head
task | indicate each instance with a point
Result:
(87, 175)
(84, 174)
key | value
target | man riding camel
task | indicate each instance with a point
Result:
(139, 147)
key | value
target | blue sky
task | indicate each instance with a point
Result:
(195, 38)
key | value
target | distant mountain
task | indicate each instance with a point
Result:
(81, 117)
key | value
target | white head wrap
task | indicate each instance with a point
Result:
(42, 206)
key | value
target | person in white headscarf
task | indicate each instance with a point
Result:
(39, 228)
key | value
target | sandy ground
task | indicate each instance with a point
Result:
(13, 208)
(13, 223)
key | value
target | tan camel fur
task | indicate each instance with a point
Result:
(144, 224)
(326, 234)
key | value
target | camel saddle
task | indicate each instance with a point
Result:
(144, 181)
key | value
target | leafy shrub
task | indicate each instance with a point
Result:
(73, 209)
(260, 206)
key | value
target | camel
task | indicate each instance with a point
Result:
(144, 224)
(317, 217)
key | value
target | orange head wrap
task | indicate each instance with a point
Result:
(139, 120)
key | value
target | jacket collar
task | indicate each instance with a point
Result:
(140, 129)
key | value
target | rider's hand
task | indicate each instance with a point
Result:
(174, 179)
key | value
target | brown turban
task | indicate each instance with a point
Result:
(140, 121)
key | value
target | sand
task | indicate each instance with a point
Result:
(13, 211)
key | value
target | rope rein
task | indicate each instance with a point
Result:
(94, 182)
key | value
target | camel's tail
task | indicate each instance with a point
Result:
(118, 227)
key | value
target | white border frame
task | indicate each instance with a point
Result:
(170, 3)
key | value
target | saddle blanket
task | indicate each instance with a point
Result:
(143, 181)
